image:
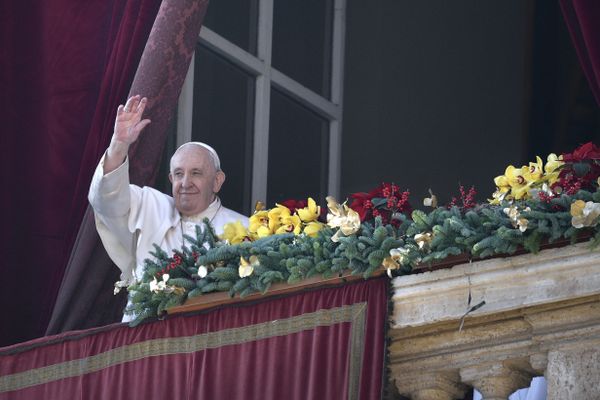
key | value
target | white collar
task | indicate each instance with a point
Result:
(210, 212)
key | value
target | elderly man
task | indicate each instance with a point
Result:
(130, 219)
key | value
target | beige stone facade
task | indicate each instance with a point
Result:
(541, 317)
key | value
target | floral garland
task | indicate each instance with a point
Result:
(294, 240)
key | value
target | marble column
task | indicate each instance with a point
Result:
(574, 373)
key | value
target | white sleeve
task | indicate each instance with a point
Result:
(113, 200)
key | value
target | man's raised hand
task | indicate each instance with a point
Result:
(129, 122)
(128, 125)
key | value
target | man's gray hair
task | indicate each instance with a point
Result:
(213, 154)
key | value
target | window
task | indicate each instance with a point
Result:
(265, 89)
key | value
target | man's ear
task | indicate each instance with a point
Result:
(170, 177)
(218, 182)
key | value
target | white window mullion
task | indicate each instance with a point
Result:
(262, 105)
(337, 95)
(185, 107)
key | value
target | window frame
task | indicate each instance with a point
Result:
(265, 76)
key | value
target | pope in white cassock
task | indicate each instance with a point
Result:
(129, 218)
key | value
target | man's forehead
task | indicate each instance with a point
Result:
(191, 157)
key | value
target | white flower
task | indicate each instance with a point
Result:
(584, 214)
(156, 286)
(120, 285)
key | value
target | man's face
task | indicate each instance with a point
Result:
(194, 179)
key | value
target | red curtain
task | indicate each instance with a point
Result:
(65, 67)
(322, 344)
(583, 20)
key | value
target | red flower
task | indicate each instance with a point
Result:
(588, 151)
(384, 201)
(293, 205)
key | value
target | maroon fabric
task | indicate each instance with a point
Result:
(309, 363)
(583, 19)
(65, 66)
(85, 298)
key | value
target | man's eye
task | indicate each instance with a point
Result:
(197, 173)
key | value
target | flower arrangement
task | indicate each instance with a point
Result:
(532, 204)
(385, 201)
(298, 217)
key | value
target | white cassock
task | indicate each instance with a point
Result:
(130, 219)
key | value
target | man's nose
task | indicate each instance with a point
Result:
(185, 181)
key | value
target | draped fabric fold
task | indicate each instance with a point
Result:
(84, 276)
(582, 18)
(65, 66)
(85, 298)
(320, 344)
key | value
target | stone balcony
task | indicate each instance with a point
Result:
(541, 317)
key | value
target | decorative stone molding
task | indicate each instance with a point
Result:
(495, 381)
(431, 386)
(541, 316)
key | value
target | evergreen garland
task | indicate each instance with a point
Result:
(483, 231)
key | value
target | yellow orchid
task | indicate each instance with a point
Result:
(257, 220)
(246, 267)
(535, 171)
(276, 216)
(553, 163)
(312, 228)
(309, 213)
(584, 213)
(552, 168)
(234, 232)
(289, 224)
(343, 217)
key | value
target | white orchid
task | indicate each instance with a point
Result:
(156, 286)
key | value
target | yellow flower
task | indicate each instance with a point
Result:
(246, 267)
(234, 232)
(289, 224)
(535, 171)
(343, 217)
(257, 220)
(552, 168)
(584, 213)
(312, 228)
(276, 216)
(310, 212)
(553, 163)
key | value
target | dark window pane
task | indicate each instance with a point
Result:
(223, 118)
(235, 20)
(302, 42)
(298, 152)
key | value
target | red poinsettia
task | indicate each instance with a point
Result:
(588, 151)
(580, 171)
(384, 201)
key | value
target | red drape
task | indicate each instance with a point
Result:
(583, 19)
(322, 344)
(65, 67)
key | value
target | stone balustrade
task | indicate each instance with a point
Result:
(541, 317)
